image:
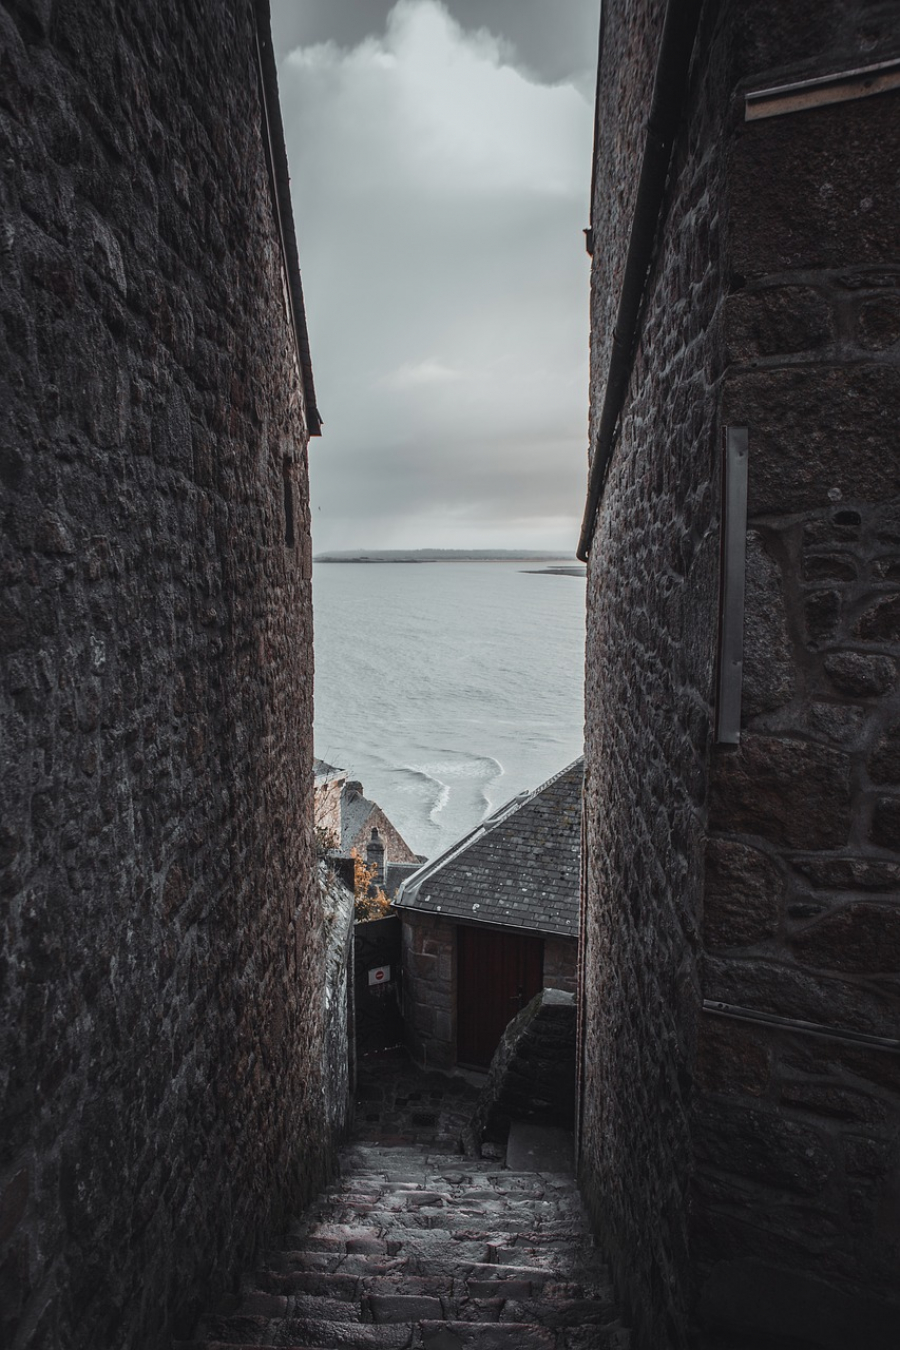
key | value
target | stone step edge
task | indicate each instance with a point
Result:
(525, 1332)
(320, 1307)
(482, 1272)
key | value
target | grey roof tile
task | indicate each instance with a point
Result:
(521, 867)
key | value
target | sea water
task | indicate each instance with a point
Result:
(447, 688)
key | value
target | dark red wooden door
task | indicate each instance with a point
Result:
(497, 974)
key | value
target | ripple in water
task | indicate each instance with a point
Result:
(447, 688)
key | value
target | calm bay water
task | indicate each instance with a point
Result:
(447, 687)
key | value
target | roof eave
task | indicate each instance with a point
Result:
(276, 158)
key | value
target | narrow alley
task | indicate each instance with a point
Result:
(418, 1246)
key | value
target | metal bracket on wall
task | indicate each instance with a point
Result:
(731, 593)
(843, 87)
(740, 1014)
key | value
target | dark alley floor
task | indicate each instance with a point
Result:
(398, 1103)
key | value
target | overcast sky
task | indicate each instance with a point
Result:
(440, 156)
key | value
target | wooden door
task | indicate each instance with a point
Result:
(497, 974)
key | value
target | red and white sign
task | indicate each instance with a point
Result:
(380, 975)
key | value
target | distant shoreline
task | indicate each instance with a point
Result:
(564, 571)
(443, 555)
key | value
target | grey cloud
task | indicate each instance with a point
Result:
(555, 40)
(446, 286)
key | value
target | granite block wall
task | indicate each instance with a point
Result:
(560, 964)
(797, 1140)
(429, 989)
(328, 809)
(649, 670)
(161, 1019)
(739, 1172)
(532, 1074)
(338, 1045)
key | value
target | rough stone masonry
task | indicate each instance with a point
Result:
(745, 1172)
(160, 1060)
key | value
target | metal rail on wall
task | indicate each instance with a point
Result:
(842, 87)
(732, 584)
(796, 1024)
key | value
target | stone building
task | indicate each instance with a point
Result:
(327, 790)
(740, 1081)
(161, 992)
(490, 923)
(352, 824)
(359, 817)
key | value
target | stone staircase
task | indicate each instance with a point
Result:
(421, 1250)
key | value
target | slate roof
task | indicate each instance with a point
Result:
(323, 771)
(519, 869)
(397, 872)
(359, 816)
(355, 812)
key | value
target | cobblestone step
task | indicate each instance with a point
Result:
(411, 1251)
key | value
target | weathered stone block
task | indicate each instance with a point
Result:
(835, 1103)
(835, 213)
(761, 1146)
(776, 320)
(881, 620)
(731, 1058)
(886, 822)
(768, 674)
(859, 674)
(838, 874)
(742, 895)
(821, 616)
(777, 986)
(801, 421)
(884, 762)
(791, 793)
(878, 323)
(862, 938)
(829, 567)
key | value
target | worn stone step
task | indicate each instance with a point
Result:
(334, 1245)
(416, 1251)
(446, 1221)
(347, 1288)
(303, 1331)
(485, 1336)
(429, 1334)
(359, 1275)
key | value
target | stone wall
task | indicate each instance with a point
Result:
(764, 876)
(429, 989)
(561, 963)
(429, 984)
(797, 1139)
(162, 1011)
(652, 604)
(338, 1047)
(328, 807)
(532, 1074)
(379, 1018)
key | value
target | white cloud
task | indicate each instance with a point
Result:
(439, 195)
(413, 374)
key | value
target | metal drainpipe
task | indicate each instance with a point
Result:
(669, 95)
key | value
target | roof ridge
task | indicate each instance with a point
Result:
(409, 889)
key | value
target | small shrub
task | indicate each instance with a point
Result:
(370, 900)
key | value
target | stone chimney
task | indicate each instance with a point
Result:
(375, 858)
